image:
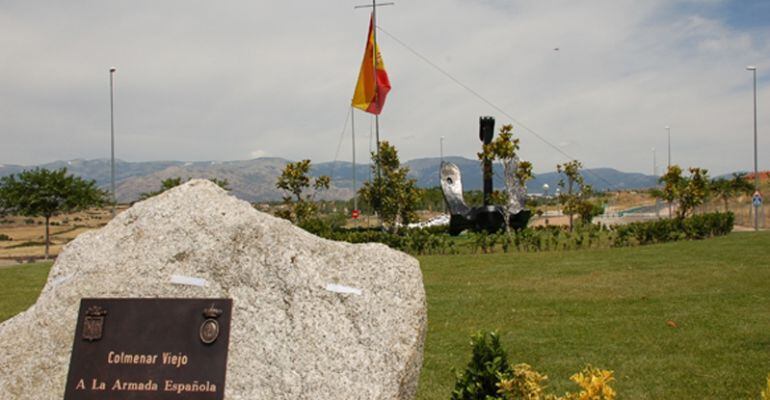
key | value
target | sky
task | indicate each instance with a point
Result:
(235, 80)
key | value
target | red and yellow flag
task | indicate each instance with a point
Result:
(373, 83)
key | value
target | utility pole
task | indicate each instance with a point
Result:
(668, 129)
(655, 174)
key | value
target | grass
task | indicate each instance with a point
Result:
(19, 287)
(561, 310)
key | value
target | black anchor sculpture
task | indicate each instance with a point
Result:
(489, 217)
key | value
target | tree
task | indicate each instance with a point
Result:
(504, 149)
(725, 189)
(295, 180)
(46, 193)
(390, 193)
(171, 183)
(688, 192)
(672, 181)
(695, 192)
(576, 198)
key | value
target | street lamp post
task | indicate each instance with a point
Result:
(668, 129)
(753, 69)
(112, 140)
(655, 174)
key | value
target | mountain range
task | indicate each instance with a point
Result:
(254, 180)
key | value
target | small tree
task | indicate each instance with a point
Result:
(576, 198)
(722, 189)
(688, 192)
(695, 192)
(46, 193)
(672, 182)
(504, 149)
(725, 189)
(488, 362)
(391, 194)
(295, 180)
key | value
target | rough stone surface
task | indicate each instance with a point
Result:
(291, 338)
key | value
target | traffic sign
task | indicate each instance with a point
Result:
(355, 214)
(757, 199)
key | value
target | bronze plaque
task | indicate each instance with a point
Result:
(150, 349)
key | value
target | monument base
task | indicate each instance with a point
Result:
(490, 219)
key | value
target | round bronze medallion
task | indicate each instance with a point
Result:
(209, 331)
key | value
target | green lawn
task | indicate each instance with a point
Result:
(20, 286)
(559, 311)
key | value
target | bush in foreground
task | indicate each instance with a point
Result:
(489, 376)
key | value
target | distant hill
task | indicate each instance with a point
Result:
(426, 172)
(254, 180)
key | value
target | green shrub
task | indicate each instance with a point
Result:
(4, 237)
(481, 376)
(315, 226)
(667, 230)
(437, 230)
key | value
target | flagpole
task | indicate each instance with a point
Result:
(374, 71)
(353, 130)
(376, 87)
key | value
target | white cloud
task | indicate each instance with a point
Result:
(258, 154)
(211, 81)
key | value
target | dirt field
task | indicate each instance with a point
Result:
(27, 234)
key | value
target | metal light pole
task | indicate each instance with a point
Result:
(668, 129)
(112, 139)
(753, 69)
(655, 174)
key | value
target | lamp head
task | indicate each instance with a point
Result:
(751, 68)
(113, 69)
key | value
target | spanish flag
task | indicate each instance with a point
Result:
(373, 83)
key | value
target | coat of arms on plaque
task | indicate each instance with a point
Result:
(210, 328)
(93, 323)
